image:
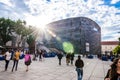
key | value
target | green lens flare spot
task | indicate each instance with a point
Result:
(68, 47)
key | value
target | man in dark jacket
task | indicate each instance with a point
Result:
(79, 67)
(59, 55)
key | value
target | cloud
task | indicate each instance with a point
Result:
(37, 12)
(7, 2)
(112, 37)
(114, 1)
(104, 15)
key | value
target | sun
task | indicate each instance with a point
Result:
(39, 21)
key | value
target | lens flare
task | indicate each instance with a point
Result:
(68, 47)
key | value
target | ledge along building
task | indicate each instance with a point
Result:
(83, 33)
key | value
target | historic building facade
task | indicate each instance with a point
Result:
(108, 46)
(82, 32)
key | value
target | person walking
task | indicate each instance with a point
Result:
(59, 55)
(40, 54)
(7, 59)
(114, 72)
(79, 67)
(27, 59)
(67, 58)
(16, 59)
(72, 58)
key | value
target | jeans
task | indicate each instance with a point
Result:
(15, 64)
(79, 73)
(6, 65)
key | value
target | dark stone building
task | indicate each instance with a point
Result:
(82, 32)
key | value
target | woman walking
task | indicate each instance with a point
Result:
(27, 60)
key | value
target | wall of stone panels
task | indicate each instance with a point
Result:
(78, 31)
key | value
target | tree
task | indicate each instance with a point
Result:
(7, 26)
(117, 49)
(31, 37)
(17, 29)
(21, 30)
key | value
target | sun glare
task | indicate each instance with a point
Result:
(50, 32)
(38, 21)
(41, 23)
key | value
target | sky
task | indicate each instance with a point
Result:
(106, 13)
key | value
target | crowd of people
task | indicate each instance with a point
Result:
(40, 54)
(14, 55)
(69, 58)
(79, 64)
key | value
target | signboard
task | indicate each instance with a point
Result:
(87, 47)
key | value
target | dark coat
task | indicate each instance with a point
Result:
(59, 56)
(72, 56)
(79, 63)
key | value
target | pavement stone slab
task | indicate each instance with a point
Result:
(48, 69)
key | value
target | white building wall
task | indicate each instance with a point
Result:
(107, 48)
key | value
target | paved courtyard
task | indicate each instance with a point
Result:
(48, 69)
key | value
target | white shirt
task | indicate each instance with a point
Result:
(8, 55)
